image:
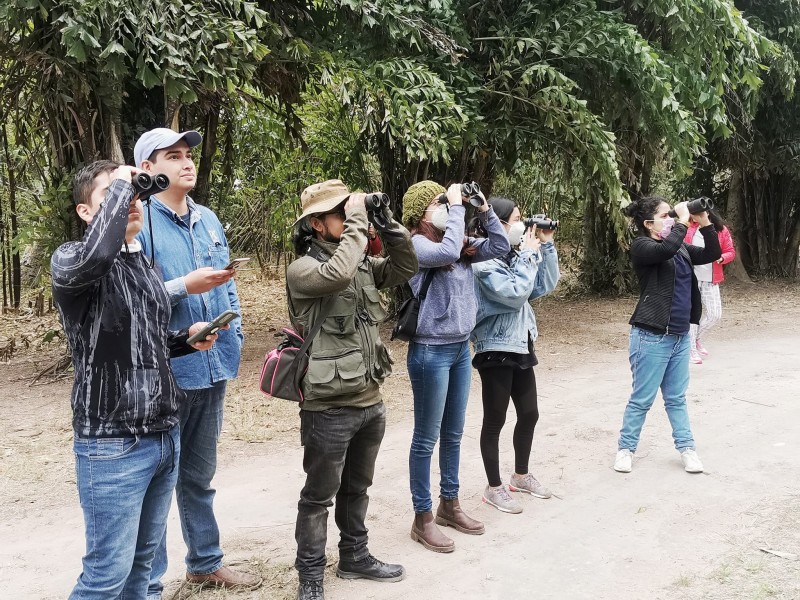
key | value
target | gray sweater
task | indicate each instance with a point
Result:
(447, 315)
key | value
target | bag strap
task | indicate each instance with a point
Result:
(324, 309)
(327, 303)
(423, 291)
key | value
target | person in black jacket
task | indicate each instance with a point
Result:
(115, 312)
(669, 301)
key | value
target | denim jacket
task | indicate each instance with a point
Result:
(180, 249)
(504, 288)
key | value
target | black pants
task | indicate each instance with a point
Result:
(341, 445)
(500, 384)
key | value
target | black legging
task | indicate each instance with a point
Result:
(499, 384)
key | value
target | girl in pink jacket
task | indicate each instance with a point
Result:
(708, 279)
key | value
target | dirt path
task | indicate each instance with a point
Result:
(655, 533)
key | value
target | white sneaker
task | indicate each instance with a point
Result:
(691, 462)
(624, 461)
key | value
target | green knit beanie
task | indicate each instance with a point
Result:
(416, 200)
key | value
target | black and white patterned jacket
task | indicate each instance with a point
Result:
(115, 312)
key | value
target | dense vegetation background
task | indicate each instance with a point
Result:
(571, 107)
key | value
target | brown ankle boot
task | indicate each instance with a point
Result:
(425, 531)
(450, 513)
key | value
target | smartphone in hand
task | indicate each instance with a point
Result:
(213, 326)
(235, 263)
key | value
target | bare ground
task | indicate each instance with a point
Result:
(656, 533)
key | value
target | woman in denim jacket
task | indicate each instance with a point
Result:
(504, 357)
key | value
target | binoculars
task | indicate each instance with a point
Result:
(146, 185)
(468, 190)
(378, 211)
(696, 206)
(376, 201)
(540, 222)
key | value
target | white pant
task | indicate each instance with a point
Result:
(712, 310)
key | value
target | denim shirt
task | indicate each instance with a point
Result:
(504, 288)
(180, 249)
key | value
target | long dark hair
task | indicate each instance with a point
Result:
(642, 210)
(302, 236)
(503, 207)
(716, 220)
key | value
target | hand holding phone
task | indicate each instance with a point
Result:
(235, 264)
(213, 326)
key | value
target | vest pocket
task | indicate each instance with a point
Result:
(341, 320)
(373, 304)
(383, 363)
(335, 374)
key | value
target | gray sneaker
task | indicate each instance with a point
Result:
(501, 499)
(529, 484)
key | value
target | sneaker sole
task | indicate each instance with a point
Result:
(618, 470)
(432, 548)
(348, 575)
(445, 523)
(524, 491)
(502, 509)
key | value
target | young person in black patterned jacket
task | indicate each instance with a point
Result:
(115, 311)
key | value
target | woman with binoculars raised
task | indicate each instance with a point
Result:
(669, 302)
(438, 355)
(504, 356)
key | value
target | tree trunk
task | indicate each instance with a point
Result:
(172, 112)
(202, 189)
(770, 224)
(16, 269)
(736, 269)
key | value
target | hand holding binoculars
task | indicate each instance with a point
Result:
(696, 206)
(471, 191)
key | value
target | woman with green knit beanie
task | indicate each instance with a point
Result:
(438, 356)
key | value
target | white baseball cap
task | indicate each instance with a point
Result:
(160, 138)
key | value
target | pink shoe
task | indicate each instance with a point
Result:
(701, 349)
(694, 357)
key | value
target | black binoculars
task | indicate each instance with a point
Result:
(146, 185)
(696, 206)
(376, 201)
(540, 222)
(468, 190)
(378, 211)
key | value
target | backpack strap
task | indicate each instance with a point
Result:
(423, 291)
(325, 308)
(327, 301)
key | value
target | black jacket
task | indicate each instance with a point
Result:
(654, 263)
(115, 311)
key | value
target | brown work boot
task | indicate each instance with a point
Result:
(227, 578)
(425, 531)
(450, 513)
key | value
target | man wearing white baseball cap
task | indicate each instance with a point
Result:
(192, 252)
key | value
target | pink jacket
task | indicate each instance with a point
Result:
(728, 251)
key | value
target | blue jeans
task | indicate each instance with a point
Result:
(340, 448)
(657, 361)
(440, 379)
(201, 424)
(125, 487)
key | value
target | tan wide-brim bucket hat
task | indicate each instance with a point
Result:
(322, 197)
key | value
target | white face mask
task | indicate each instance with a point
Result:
(439, 217)
(515, 233)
